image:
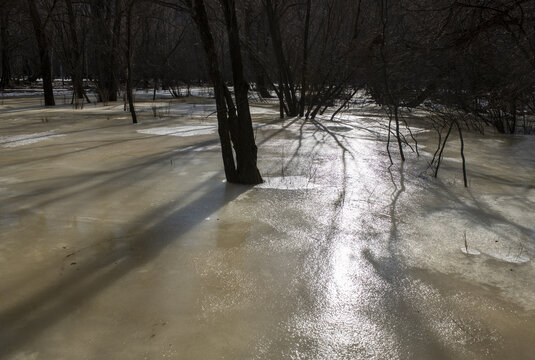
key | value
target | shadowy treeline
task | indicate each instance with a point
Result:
(477, 56)
(470, 63)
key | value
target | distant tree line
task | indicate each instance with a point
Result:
(471, 63)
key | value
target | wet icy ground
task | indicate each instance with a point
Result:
(124, 242)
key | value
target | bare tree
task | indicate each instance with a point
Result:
(41, 37)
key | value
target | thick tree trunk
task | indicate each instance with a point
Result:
(44, 56)
(201, 21)
(245, 147)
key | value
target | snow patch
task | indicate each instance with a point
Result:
(183, 130)
(31, 92)
(26, 139)
(287, 183)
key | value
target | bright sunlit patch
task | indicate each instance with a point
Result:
(341, 266)
(183, 130)
(287, 183)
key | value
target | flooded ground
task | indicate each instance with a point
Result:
(121, 241)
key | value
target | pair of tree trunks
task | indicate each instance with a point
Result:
(234, 119)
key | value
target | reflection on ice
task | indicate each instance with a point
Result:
(287, 183)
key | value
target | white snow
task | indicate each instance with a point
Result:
(32, 92)
(181, 130)
(287, 183)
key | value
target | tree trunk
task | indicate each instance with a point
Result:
(245, 147)
(305, 61)
(128, 54)
(112, 79)
(44, 56)
(261, 85)
(200, 18)
(286, 86)
(398, 135)
(257, 71)
(107, 14)
(76, 62)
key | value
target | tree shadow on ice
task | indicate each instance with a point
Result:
(94, 145)
(409, 326)
(108, 182)
(471, 208)
(98, 270)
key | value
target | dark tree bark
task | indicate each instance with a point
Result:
(259, 74)
(234, 128)
(112, 74)
(200, 18)
(76, 61)
(245, 147)
(261, 84)
(128, 55)
(286, 85)
(44, 55)
(107, 22)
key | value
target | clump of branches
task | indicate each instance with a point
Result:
(446, 121)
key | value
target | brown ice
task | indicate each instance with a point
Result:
(121, 241)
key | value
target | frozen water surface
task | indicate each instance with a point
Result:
(25, 139)
(124, 242)
(183, 130)
(287, 183)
